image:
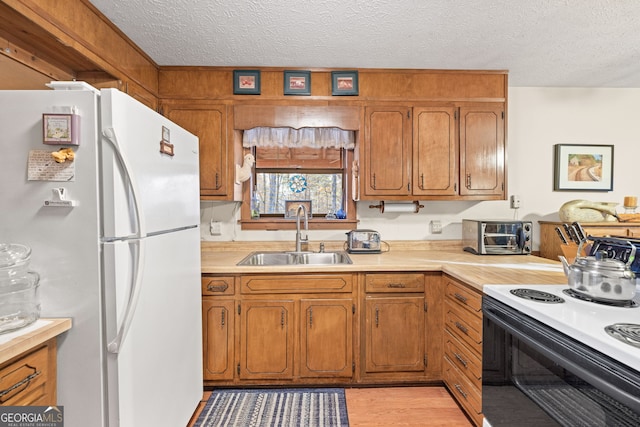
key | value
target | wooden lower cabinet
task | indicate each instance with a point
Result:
(322, 329)
(326, 337)
(401, 327)
(462, 368)
(218, 327)
(278, 329)
(394, 338)
(266, 339)
(30, 378)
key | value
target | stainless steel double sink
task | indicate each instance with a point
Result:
(296, 258)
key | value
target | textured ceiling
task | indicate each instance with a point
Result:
(574, 43)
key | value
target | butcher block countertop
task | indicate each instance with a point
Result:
(21, 340)
(444, 256)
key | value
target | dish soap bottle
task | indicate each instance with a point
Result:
(255, 205)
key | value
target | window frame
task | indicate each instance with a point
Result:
(320, 223)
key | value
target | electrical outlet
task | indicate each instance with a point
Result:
(514, 202)
(215, 228)
(436, 227)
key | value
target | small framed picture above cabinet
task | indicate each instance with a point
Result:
(344, 83)
(297, 82)
(246, 82)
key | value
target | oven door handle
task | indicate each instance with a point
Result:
(570, 354)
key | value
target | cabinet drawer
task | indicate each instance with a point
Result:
(24, 381)
(464, 392)
(405, 282)
(296, 283)
(465, 326)
(464, 359)
(218, 285)
(464, 297)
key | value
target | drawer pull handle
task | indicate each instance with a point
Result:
(24, 382)
(377, 317)
(457, 386)
(460, 298)
(396, 285)
(462, 328)
(460, 359)
(217, 288)
(222, 320)
(310, 318)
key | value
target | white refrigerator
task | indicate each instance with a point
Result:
(115, 238)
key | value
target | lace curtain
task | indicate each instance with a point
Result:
(303, 137)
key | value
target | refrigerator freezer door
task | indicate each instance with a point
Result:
(156, 377)
(64, 240)
(167, 186)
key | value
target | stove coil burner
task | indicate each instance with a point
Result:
(628, 333)
(538, 296)
(609, 302)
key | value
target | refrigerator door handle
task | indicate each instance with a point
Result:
(110, 135)
(136, 284)
(114, 346)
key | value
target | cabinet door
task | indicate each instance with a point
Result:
(395, 334)
(266, 339)
(209, 123)
(435, 170)
(482, 155)
(218, 338)
(326, 348)
(387, 151)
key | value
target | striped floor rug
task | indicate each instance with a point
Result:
(299, 407)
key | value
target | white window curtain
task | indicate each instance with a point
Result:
(303, 137)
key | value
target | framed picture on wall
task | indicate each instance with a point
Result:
(583, 167)
(246, 82)
(344, 83)
(297, 82)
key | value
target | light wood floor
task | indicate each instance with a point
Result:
(395, 406)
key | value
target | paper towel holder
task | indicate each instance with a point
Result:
(412, 207)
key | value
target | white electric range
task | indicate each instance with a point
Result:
(584, 321)
(554, 363)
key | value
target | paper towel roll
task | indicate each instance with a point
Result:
(399, 207)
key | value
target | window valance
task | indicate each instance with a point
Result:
(294, 138)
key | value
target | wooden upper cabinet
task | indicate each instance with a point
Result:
(387, 151)
(435, 159)
(209, 123)
(482, 151)
(434, 152)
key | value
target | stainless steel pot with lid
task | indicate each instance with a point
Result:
(600, 277)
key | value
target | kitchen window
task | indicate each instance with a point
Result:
(311, 166)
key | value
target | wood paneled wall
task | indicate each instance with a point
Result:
(73, 35)
(375, 85)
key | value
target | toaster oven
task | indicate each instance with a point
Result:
(497, 237)
(363, 242)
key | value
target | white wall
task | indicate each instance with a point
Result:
(538, 119)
